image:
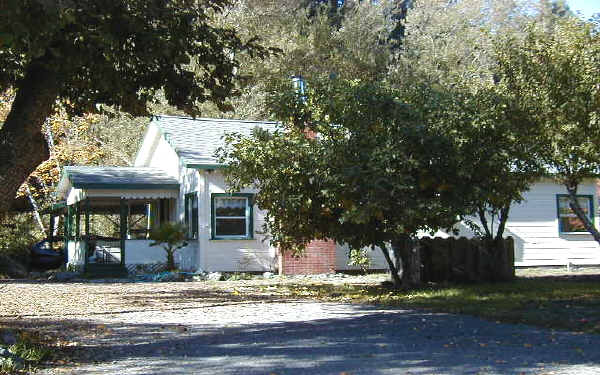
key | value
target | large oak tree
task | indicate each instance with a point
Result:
(114, 52)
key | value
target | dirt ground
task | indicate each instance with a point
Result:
(87, 319)
(33, 299)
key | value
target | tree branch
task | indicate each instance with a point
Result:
(484, 221)
(574, 204)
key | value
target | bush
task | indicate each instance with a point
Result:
(359, 258)
(171, 237)
(18, 233)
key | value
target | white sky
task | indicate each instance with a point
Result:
(586, 7)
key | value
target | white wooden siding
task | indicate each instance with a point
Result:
(229, 255)
(378, 261)
(533, 224)
(149, 143)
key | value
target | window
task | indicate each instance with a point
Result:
(191, 215)
(232, 216)
(568, 222)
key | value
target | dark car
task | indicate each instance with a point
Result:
(43, 257)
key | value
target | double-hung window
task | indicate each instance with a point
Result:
(191, 215)
(568, 222)
(232, 216)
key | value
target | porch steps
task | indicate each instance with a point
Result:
(106, 270)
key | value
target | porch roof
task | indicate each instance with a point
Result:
(138, 178)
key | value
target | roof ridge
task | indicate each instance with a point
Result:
(106, 166)
(214, 119)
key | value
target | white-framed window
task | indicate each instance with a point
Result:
(568, 222)
(232, 216)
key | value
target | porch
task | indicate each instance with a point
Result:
(107, 225)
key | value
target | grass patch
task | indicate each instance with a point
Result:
(552, 303)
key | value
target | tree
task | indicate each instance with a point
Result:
(447, 57)
(554, 76)
(373, 176)
(119, 53)
(355, 46)
(171, 236)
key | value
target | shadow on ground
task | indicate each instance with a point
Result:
(372, 342)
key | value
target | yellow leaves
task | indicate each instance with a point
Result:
(6, 99)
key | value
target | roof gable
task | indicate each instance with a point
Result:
(196, 140)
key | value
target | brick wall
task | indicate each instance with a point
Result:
(319, 257)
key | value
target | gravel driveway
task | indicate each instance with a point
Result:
(203, 328)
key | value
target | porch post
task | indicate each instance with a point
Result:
(51, 232)
(78, 221)
(68, 224)
(123, 223)
(87, 218)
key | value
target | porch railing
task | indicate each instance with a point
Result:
(104, 251)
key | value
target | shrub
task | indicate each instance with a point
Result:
(359, 258)
(171, 236)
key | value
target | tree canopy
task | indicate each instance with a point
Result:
(553, 74)
(374, 174)
(120, 53)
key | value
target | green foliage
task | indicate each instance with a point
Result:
(18, 233)
(374, 173)
(237, 276)
(552, 75)
(447, 70)
(122, 52)
(32, 348)
(29, 350)
(356, 45)
(359, 258)
(172, 237)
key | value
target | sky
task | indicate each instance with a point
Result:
(586, 7)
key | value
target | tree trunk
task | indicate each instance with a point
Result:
(501, 264)
(498, 268)
(170, 260)
(589, 226)
(22, 143)
(393, 266)
(410, 255)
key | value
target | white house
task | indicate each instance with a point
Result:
(547, 232)
(110, 211)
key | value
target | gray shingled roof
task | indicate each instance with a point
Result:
(196, 140)
(121, 177)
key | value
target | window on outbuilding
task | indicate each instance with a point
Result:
(568, 222)
(232, 216)
(191, 215)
